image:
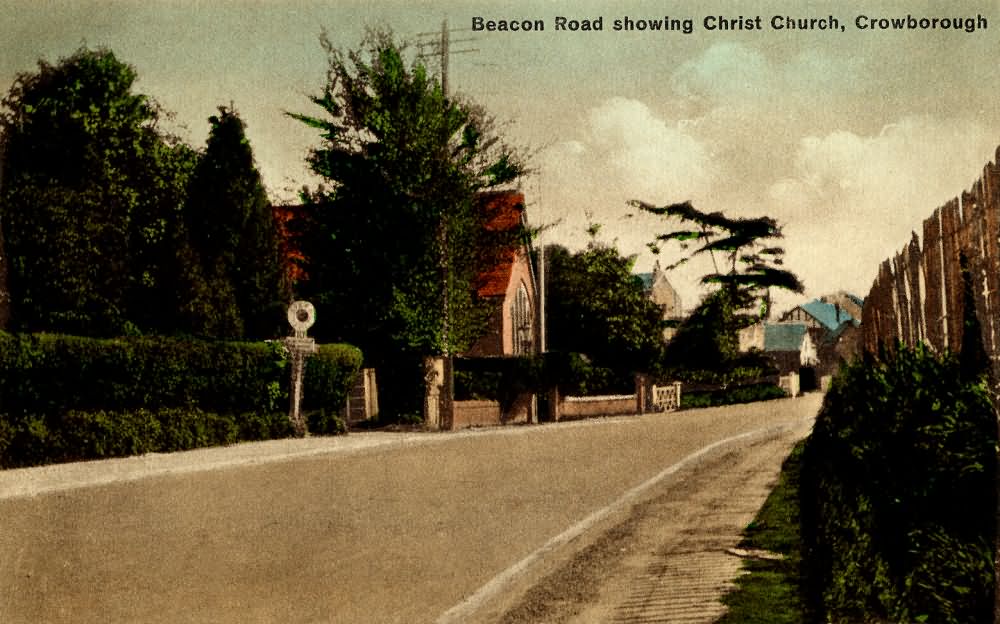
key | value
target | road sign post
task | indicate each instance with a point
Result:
(301, 316)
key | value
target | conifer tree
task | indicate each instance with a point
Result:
(233, 232)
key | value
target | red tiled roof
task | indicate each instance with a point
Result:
(505, 209)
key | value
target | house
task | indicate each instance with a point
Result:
(820, 314)
(852, 304)
(791, 345)
(660, 291)
(510, 284)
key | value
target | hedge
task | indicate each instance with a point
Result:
(897, 495)
(503, 378)
(68, 397)
(740, 394)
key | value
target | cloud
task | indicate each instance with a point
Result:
(873, 191)
(724, 71)
(624, 151)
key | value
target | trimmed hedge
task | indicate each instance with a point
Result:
(503, 378)
(33, 440)
(740, 394)
(898, 501)
(65, 398)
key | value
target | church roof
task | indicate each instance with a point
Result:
(506, 210)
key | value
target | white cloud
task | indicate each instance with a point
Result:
(624, 151)
(873, 191)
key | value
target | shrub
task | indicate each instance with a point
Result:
(65, 398)
(730, 396)
(898, 502)
(83, 435)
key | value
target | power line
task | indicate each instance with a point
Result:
(442, 48)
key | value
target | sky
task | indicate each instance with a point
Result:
(850, 137)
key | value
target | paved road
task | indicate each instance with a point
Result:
(367, 528)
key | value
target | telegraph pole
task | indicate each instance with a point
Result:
(441, 393)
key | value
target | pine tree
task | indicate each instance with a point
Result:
(233, 232)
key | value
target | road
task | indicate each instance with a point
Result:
(364, 528)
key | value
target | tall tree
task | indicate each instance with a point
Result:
(398, 240)
(751, 266)
(232, 228)
(92, 193)
(595, 305)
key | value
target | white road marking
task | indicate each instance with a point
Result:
(463, 610)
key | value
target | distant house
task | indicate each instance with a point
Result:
(661, 292)
(820, 314)
(852, 304)
(510, 284)
(791, 345)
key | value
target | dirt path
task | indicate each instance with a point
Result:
(665, 558)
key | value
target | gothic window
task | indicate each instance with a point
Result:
(521, 319)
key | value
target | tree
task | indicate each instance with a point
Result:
(751, 267)
(397, 238)
(232, 229)
(91, 200)
(596, 306)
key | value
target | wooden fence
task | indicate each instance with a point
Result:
(918, 294)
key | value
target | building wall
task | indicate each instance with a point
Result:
(521, 273)
(801, 316)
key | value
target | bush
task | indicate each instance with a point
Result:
(898, 501)
(730, 396)
(64, 398)
(43, 373)
(84, 435)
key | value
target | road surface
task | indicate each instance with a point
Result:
(364, 528)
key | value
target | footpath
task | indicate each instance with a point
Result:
(26, 482)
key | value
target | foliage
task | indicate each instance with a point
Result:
(596, 306)
(232, 227)
(752, 266)
(76, 205)
(77, 435)
(399, 219)
(93, 208)
(898, 500)
(46, 378)
(709, 338)
(770, 591)
(505, 379)
(729, 396)
(327, 380)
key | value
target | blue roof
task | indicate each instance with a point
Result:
(647, 279)
(784, 336)
(829, 316)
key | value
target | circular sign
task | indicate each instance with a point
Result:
(301, 315)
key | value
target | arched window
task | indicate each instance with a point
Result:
(521, 319)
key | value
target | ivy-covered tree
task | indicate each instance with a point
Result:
(750, 267)
(397, 236)
(595, 305)
(231, 228)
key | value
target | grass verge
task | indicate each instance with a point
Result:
(770, 590)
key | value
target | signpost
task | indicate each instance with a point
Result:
(301, 316)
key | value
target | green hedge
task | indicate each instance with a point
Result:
(898, 502)
(730, 396)
(67, 397)
(504, 378)
(75, 435)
